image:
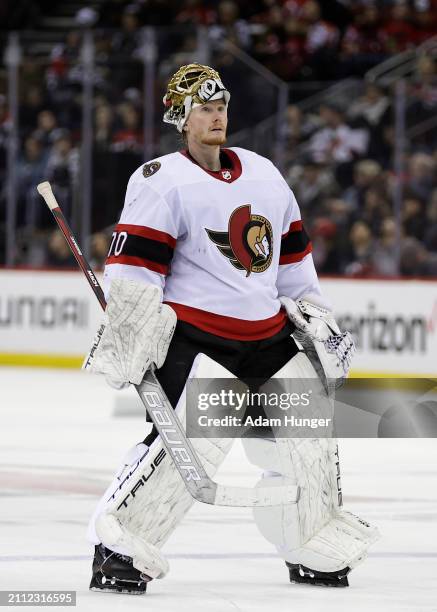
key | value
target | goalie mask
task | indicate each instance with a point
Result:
(191, 86)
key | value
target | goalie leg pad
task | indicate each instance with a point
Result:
(315, 531)
(148, 498)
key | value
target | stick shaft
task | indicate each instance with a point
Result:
(80, 258)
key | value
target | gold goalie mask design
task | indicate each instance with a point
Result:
(191, 86)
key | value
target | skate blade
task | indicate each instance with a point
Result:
(116, 591)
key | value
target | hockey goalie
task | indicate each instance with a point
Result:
(210, 265)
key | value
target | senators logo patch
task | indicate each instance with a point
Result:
(152, 168)
(248, 243)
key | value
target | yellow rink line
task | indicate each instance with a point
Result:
(38, 360)
(375, 374)
(75, 362)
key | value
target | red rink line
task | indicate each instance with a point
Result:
(59, 484)
(72, 484)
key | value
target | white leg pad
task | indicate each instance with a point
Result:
(148, 498)
(315, 531)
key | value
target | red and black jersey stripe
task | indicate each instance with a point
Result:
(295, 244)
(137, 245)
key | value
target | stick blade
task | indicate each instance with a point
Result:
(256, 496)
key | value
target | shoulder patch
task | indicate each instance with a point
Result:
(152, 168)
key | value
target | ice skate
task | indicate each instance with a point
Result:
(115, 573)
(299, 574)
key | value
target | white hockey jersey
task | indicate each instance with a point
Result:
(223, 245)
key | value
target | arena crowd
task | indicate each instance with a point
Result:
(339, 157)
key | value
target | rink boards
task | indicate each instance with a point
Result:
(49, 319)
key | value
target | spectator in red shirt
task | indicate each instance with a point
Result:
(295, 8)
(195, 11)
(363, 44)
(399, 30)
(425, 20)
(130, 136)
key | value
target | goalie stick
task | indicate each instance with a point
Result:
(198, 483)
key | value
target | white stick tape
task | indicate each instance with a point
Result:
(45, 190)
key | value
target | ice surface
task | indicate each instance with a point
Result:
(60, 443)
